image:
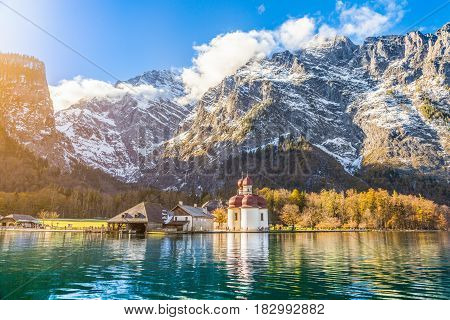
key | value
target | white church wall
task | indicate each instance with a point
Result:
(251, 222)
(264, 223)
(232, 222)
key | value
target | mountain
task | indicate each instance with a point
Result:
(381, 109)
(26, 110)
(115, 134)
(33, 153)
(22, 171)
(332, 115)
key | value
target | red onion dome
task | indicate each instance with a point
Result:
(235, 201)
(240, 183)
(262, 202)
(250, 201)
(247, 181)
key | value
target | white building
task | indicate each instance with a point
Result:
(247, 211)
(195, 218)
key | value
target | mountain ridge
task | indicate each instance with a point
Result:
(367, 112)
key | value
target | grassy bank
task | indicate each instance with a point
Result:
(75, 224)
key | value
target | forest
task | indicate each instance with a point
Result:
(328, 209)
(30, 186)
(371, 209)
(86, 203)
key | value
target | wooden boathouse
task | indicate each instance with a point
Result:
(141, 218)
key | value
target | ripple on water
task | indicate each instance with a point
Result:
(391, 265)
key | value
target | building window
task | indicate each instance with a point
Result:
(175, 218)
(185, 218)
(235, 216)
(262, 216)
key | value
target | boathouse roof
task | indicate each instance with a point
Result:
(21, 218)
(143, 212)
(194, 211)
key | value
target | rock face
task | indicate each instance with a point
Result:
(302, 94)
(338, 110)
(384, 103)
(26, 110)
(114, 135)
(405, 115)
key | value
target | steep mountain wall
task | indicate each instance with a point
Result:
(26, 110)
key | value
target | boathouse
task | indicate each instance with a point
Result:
(178, 226)
(198, 219)
(20, 220)
(141, 218)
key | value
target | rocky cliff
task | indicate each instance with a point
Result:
(335, 114)
(115, 135)
(26, 110)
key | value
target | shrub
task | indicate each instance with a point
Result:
(350, 225)
(431, 112)
(329, 223)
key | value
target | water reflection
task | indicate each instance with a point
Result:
(244, 253)
(334, 265)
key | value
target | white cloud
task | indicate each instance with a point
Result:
(69, 92)
(222, 56)
(226, 53)
(261, 9)
(294, 34)
(327, 32)
(361, 22)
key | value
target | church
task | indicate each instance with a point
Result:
(247, 211)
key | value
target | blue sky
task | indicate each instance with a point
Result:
(129, 37)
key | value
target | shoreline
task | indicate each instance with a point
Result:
(214, 232)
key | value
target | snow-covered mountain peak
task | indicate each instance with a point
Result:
(382, 103)
(125, 128)
(168, 81)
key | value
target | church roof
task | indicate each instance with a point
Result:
(247, 181)
(235, 201)
(245, 199)
(250, 201)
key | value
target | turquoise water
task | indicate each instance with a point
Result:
(372, 265)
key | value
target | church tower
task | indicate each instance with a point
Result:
(247, 185)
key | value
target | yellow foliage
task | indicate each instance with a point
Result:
(372, 209)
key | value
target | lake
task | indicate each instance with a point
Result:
(310, 265)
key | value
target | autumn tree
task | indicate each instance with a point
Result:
(43, 215)
(298, 198)
(53, 215)
(220, 216)
(290, 215)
